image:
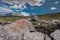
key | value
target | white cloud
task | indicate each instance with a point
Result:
(53, 8)
(31, 2)
(56, 2)
(15, 6)
(37, 2)
(8, 2)
(25, 14)
(2, 9)
(22, 14)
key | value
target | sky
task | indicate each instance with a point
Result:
(29, 6)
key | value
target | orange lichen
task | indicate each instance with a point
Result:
(11, 32)
(21, 23)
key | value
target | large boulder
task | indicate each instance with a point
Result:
(15, 31)
(36, 36)
(56, 34)
(19, 30)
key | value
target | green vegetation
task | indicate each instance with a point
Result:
(50, 16)
(13, 18)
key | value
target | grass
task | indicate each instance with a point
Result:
(14, 18)
(42, 17)
(50, 16)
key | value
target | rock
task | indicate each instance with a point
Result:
(14, 31)
(36, 36)
(56, 34)
(21, 29)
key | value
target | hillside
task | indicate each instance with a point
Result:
(42, 17)
(50, 16)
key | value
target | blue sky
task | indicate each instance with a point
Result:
(39, 7)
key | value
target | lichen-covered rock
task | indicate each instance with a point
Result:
(20, 30)
(56, 34)
(15, 31)
(36, 36)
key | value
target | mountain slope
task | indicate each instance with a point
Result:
(50, 16)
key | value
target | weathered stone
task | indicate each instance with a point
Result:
(56, 34)
(20, 30)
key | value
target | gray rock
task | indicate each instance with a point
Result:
(56, 34)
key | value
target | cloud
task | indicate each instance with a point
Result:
(53, 8)
(15, 6)
(56, 2)
(31, 2)
(25, 14)
(37, 2)
(2, 9)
